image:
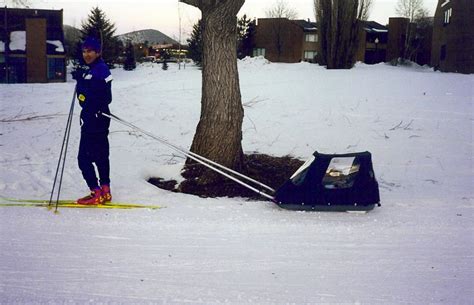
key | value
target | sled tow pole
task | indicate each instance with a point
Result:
(219, 168)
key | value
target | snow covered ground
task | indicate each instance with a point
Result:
(416, 249)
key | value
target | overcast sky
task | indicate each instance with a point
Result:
(163, 15)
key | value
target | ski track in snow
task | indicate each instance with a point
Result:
(415, 249)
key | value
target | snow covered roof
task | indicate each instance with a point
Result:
(372, 26)
(306, 24)
(375, 30)
(17, 41)
(58, 44)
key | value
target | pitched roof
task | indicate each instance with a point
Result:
(306, 25)
(372, 26)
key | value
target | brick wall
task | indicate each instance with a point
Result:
(281, 39)
(453, 36)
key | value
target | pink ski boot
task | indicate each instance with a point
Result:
(106, 194)
(94, 198)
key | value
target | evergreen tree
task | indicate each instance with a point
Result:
(100, 27)
(164, 54)
(72, 37)
(195, 43)
(245, 36)
(77, 54)
(77, 60)
(130, 63)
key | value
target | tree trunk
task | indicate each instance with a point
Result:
(219, 132)
(339, 23)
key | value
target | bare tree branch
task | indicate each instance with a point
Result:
(281, 9)
(18, 3)
(196, 3)
(411, 9)
(364, 9)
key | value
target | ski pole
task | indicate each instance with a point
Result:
(64, 158)
(63, 153)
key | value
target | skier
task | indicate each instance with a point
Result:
(94, 92)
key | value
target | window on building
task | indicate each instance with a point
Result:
(16, 70)
(310, 55)
(3, 41)
(55, 68)
(259, 52)
(442, 55)
(447, 16)
(3, 70)
(311, 38)
(54, 34)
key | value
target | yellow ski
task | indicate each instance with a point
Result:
(11, 202)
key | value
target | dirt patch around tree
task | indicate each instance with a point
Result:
(269, 170)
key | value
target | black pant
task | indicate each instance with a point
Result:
(94, 149)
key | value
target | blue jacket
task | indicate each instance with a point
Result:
(94, 92)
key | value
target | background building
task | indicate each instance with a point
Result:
(284, 40)
(372, 43)
(409, 40)
(31, 46)
(453, 36)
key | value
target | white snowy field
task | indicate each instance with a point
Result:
(418, 248)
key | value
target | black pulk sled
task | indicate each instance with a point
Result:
(339, 182)
(331, 183)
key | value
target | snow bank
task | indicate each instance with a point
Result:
(417, 248)
(254, 61)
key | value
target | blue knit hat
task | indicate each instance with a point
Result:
(92, 43)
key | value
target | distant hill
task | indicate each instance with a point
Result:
(71, 33)
(152, 36)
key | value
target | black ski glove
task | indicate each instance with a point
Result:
(78, 73)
